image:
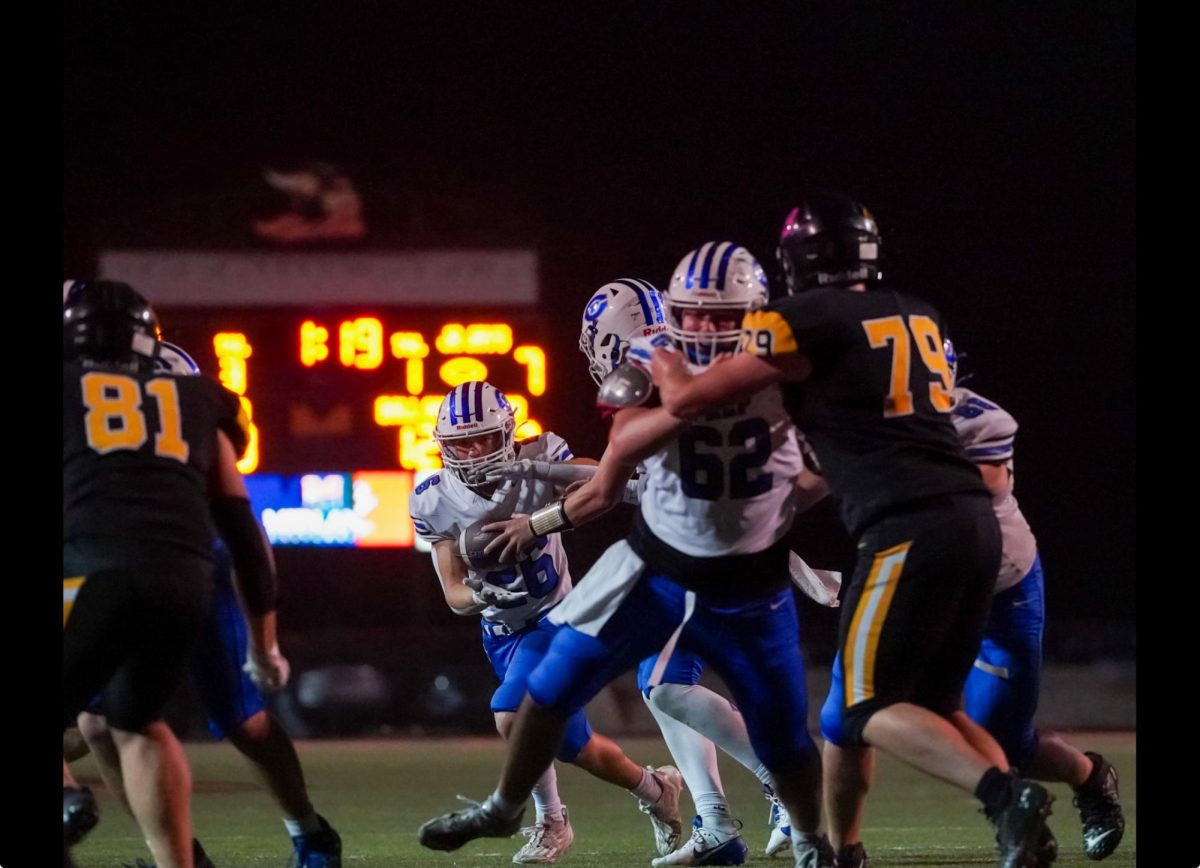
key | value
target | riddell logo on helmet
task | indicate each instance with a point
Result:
(650, 331)
(463, 426)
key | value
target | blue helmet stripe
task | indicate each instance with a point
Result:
(712, 252)
(692, 268)
(725, 257)
(659, 316)
(454, 406)
(466, 401)
(641, 297)
(479, 400)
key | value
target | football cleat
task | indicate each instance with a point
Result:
(1100, 809)
(1021, 831)
(707, 847)
(852, 856)
(320, 849)
(812, 850)
(451, 831)
(80, 814)
(780, 823)
(664, 814)
(548, 841)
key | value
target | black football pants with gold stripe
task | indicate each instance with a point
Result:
(914, 611)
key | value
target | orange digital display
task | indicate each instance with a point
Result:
(353, 388)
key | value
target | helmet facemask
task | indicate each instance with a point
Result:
(716, 329)
(471, 412)
(712, 288)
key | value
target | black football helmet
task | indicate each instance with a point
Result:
(108, 322)
(829, 240)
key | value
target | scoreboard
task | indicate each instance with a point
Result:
(343, 401)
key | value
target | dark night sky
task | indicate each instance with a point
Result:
(996, 146)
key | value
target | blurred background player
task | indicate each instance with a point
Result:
(149, 465)
(230, 680)
(704, 568)
(865, 378)
(1001, 692)
(475, 430)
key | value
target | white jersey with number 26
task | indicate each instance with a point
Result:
(443, 505)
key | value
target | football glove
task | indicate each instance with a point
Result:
(268, 669)
(560, 473)
(820, 586)
(484, 593)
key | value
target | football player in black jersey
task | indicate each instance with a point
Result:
(149, 468)
(864, 376)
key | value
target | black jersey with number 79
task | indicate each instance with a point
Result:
(876, 408)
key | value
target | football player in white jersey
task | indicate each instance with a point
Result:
(704, 569)
(693, 719)
(1001, 692)
(475, 431)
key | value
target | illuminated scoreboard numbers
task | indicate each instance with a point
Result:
(314, 343)
(476, 338)
(232, 351)
(363, 344)
(534, 360)
(411, 347)
(360, 343)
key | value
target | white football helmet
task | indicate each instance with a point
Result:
(171, 359)
(718, 277)
(617, 313)
(471, 410)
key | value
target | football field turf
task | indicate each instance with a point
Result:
(377, 792)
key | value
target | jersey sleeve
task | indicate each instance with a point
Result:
(427, 519)
(546, 446)
(232, 418)
(986, 430)
(768, 333)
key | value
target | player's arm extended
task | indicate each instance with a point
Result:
(811, 489)
(451, 571)
(589, 501)
(995, 477)
(686, 395)
(253, 564)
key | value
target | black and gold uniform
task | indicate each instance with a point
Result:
(875, 408)
(138, 449)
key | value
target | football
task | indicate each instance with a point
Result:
(471, 542)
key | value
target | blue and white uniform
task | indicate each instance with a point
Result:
(514, 637)
(705, 572)
(1001, 691)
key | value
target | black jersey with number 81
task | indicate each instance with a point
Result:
(137, 452)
